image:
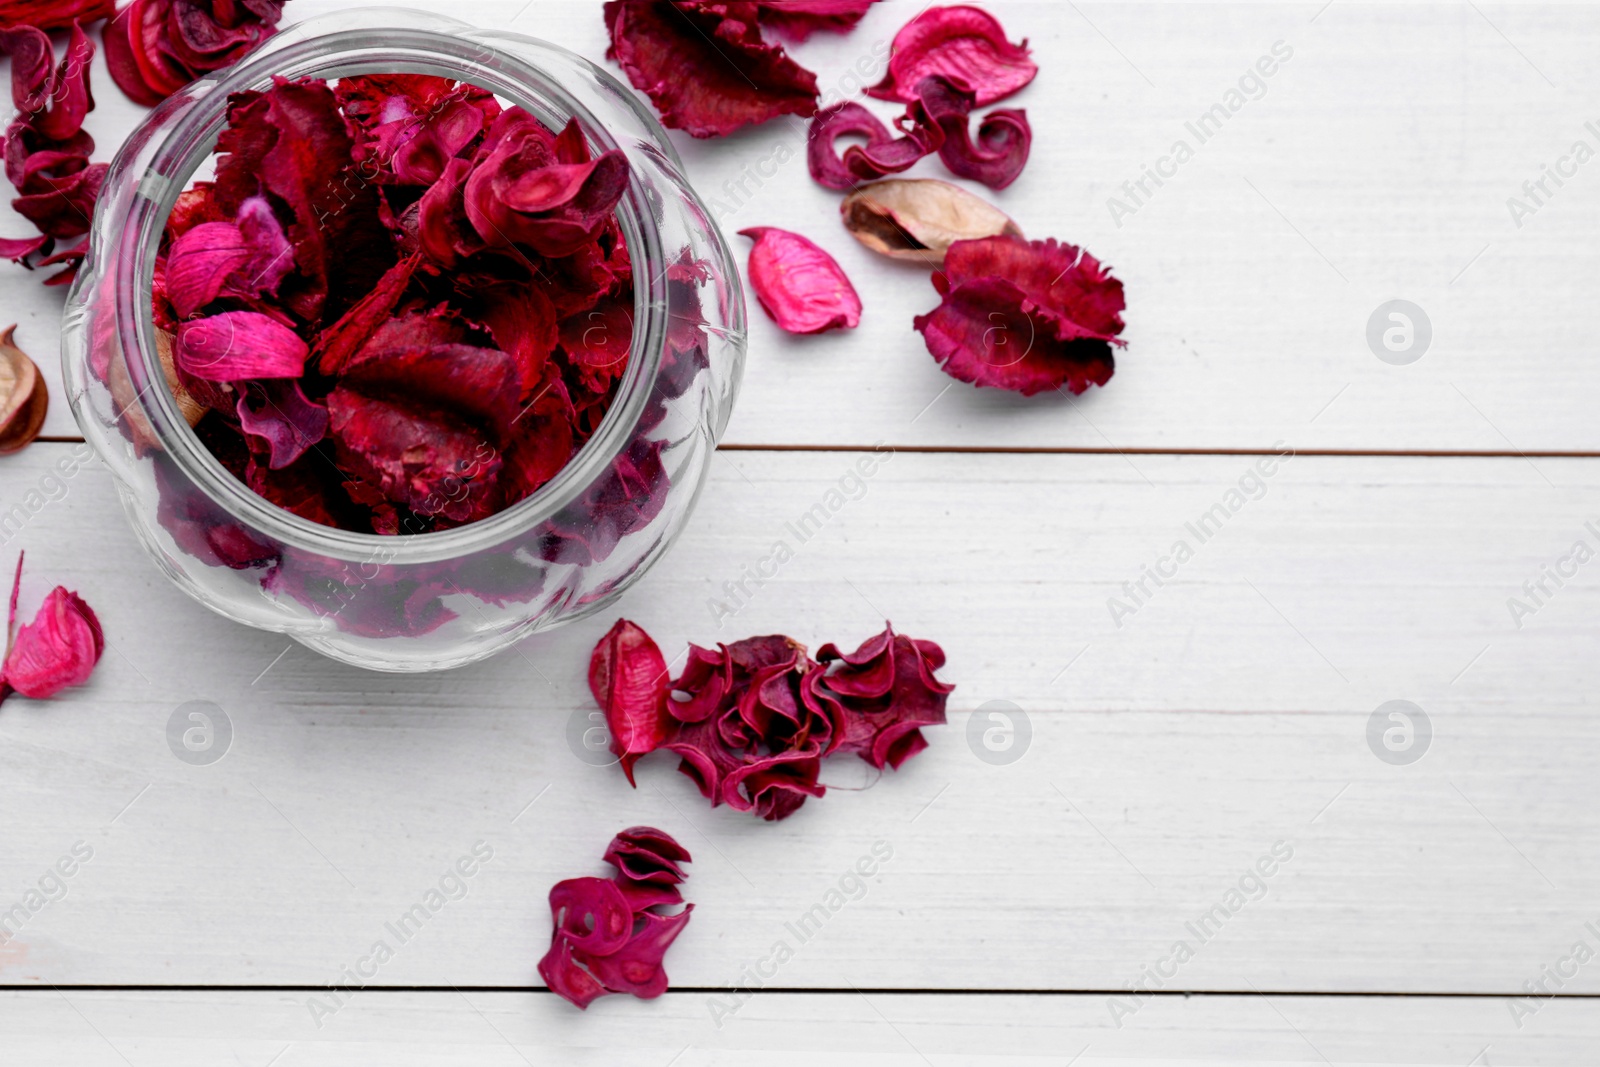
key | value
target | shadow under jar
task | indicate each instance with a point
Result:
(414, 602)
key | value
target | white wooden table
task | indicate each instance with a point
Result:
(1228, 715)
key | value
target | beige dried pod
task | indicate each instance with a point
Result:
(24, 399)
(919, 219)
(131, 405)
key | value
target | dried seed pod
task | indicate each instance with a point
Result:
(920, 218)
(23, 396)
(190, 408)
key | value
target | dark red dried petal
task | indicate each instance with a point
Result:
(882, 154)
(155, 47)
(1026, 316)
(800, 18)
(1004, 136)
(705, 66)
(962, 43)
(800, 287)
(427, 460)
(628, 677)
(54, 14)
(888, 690)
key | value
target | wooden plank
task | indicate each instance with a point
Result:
(1229, 713)
(88, 1028)
(1376, 164)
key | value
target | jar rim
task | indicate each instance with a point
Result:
(411, 42)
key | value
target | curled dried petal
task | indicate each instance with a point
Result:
(1004, 136)
(54, 14)
(628, 677)
(888, 690)
(918, 219)
(962, 43)
(645, 854)
(24, 398)
(799, 285)
(882, 154)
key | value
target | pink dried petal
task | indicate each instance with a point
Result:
(888, 690)
(800, 286)
(58, 649)
(628, 677)
(962, 43)
(592, 914)
(276, 410)
(237, 345)
(645, 854)
(1004, 136)
(705, 66)
(800, 18)
(1026, 316)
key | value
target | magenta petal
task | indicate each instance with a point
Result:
(637, 967)
(200, 262)
(57, 650)
(799, 285)
(962, 43)
(565, 977)
(645, 854)
(591, 913)
(237, 345)
(277, 411)
(628, 677)
(888, 690)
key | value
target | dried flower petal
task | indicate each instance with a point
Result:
(1024, 315)
(628, 678)
(705, 66)
(800, 18)
(276, 411)
(236, 345)
(24, 398)
(644, 854)
(591, 914)
(155, 47)
(888, 690)
(918, 219)
(57, 650)
(607, 937)
(962, 43)
(1004, 136)
(882, 154)
(54, 14)
(800, 286)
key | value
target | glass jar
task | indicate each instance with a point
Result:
(427, 601)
